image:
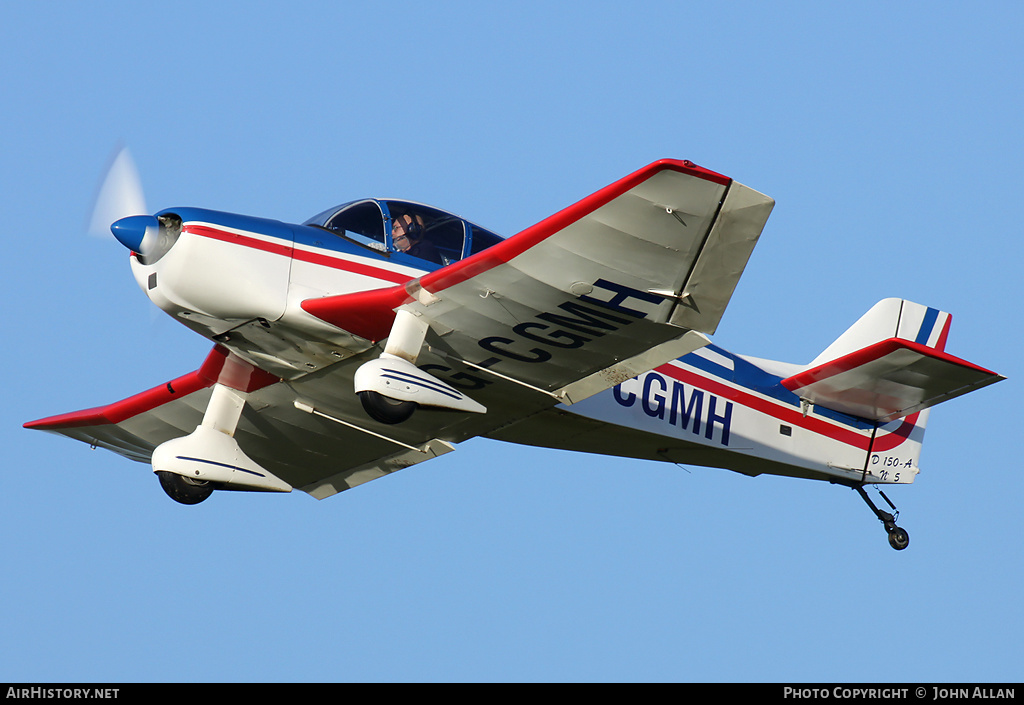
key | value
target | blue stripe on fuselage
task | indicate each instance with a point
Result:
(751, 377)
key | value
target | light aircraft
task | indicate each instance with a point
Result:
(382, 333)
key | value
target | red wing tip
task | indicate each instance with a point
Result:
(89, 417)
(220, 367)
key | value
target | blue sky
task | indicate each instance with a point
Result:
(889, 135)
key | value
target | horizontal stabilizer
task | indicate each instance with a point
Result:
(888, 380)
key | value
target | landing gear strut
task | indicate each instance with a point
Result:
(898, 537)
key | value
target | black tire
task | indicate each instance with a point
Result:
(184, 490)
(386, 410)
(899, 538)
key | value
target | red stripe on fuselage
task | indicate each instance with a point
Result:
(363, 269)
(237, 239)
(349, 266)
(790, 415)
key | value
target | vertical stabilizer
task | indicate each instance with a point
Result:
(891, 318)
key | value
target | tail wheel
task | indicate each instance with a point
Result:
(899, 538)
(183, 489)
(384, 409)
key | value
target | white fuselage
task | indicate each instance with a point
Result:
(228, 272)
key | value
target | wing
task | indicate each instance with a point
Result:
(611, 287)
(307, 451)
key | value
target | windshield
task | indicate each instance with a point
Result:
(361, 221)
(406, 228)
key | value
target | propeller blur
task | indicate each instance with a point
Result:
(119, 195)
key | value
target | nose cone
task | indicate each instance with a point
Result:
(137, 232)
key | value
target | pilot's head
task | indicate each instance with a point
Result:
(406, 231)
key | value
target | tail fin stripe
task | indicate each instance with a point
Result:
(940, 344)
(927, 325)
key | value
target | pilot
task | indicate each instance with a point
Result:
(407, 234)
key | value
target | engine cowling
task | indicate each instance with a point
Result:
(211, 265)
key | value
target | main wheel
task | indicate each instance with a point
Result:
(899, 538)
(183, 489)
(386, 410)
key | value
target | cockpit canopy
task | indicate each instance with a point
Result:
(430, 234)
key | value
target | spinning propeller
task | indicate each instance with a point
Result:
(120, 206)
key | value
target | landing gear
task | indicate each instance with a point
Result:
(183, 489)
(392, 387)
(384, 409)
(191, 467)
(898, 537)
